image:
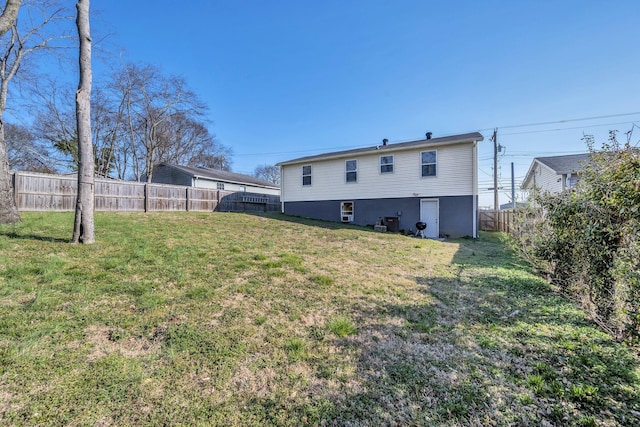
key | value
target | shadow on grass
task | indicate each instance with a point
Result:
(491, 346)
(18, 236)
(329, 225)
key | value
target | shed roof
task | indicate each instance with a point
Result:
(432, 142)
(220, 175)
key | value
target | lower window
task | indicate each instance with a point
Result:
(346, 211)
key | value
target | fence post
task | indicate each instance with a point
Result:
(146, 197)
(15, 187)
(187, 200)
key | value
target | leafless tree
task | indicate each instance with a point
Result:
(269, 173)
(83, 229)
(24, 150)
(16, 43)
(8, 209)
(151, 103)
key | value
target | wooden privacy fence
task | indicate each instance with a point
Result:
(43, 192)
(490, 220)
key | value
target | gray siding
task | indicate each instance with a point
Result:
(167, 175)
(455, 220)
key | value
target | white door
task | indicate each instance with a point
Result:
(429, 215)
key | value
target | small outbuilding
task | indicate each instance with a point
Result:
(165, 173)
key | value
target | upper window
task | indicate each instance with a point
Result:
(220, 185)
(386, 164)
(306, 175)
(429, 163)
(351, 167)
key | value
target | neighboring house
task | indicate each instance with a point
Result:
(211, 178)
(554, 174)
(433, 180)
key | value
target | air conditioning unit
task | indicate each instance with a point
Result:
(347, 218)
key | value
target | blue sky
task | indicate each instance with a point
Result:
(284, 79)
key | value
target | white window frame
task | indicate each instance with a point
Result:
(423, 164)
(307, 175)
(346, 211)
(392, 164)
(347, 171)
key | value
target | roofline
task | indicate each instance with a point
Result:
(557, 172)
(190, 170)
(401, 146)
(230, 181)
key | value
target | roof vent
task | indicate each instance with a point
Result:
(429, 135)
(385, 141)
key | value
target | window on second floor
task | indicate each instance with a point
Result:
(306, 175)
(386, 164)
(429, 163)
(351, 167)
(220, 185)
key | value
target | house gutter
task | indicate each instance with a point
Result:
(281, 189)
(475, 189)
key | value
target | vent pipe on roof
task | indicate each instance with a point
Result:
(429, 135)
(385, 141)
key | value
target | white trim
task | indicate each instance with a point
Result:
(302, 175)
(346, 171)
(393, 164)
(474, 171)
(422, 164)
(437, 201)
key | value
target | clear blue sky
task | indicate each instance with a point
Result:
(284, 79)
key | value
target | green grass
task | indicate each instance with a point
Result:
(233, 319)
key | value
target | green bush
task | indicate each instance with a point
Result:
(587, 240)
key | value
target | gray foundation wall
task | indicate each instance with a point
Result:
(455, 212)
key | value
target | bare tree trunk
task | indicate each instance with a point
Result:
(8, 209)
(9, 15)
(83, 229)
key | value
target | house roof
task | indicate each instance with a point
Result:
(220, 175)
(565, 164)
(560, 165)
(433, 142)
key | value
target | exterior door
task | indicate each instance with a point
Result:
(429, 215)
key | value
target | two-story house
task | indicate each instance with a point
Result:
(433, 180)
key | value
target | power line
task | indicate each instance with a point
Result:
(569, 128)
(564, 121)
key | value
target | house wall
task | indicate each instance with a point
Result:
(328, 181)
(210, 183)
(455, 212)
(545, 180)
(167, 175)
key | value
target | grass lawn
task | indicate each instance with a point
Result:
(233, 319)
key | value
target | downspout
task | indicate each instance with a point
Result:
(281, 189)
(475, 189)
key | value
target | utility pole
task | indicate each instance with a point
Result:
(513, 188)
(495, 169)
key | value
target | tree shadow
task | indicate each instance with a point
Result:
(17, 236)
(318, 223)
(489, 345)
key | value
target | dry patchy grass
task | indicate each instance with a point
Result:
(268, 320)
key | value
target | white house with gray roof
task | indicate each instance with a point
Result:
(165, 173)
(433, 180)
(555, 173)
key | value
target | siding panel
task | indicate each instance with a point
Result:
(454, 177)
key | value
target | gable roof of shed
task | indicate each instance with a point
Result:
(435, 142)
(220, 175)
